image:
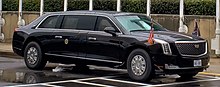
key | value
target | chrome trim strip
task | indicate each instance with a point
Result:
(76, 14)
(200, 41)
(17, 48)
(187, 68)
(45, 19)
(206, 47)
(83, 58)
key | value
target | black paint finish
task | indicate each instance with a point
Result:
(88, 45)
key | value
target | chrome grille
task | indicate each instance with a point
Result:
(192, 48)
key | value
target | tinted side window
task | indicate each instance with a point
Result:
(103, 22)
(87, 22)
(50, 22)
(70, 22)
(79, 22)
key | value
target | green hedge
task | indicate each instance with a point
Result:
(192, 7)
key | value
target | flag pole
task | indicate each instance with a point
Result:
(118, 5)
(148, 7)
(65, 5)
(90, 5)
(41, 7)
(181, 25)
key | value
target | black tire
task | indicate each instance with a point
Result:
(39, 62)
(148, 72)
(188, 75)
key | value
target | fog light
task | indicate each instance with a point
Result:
(171, 66)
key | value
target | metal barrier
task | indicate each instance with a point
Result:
(21, 21)
(2, 22)
(215, 43)
(182, 28)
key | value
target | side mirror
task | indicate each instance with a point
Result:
(110, 30)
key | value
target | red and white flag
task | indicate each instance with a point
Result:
(151, 36)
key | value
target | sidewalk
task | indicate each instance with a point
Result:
(214, 69)
(6, 50)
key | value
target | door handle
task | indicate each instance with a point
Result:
(92, 38)
(59, 37)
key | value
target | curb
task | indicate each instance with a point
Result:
(210, 74)
(9, 55)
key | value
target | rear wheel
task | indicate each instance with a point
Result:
(33, 56)
(139, 65)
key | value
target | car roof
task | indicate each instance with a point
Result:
(95, 12)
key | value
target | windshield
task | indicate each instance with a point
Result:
(138, 23)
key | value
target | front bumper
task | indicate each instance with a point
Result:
(184, 70)
(174, 64)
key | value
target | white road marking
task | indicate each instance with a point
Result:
(107, 78)
(178, 83)
(90, 78)
(51, 85)
(122, 81)
(47, 83)
(93, 84)
(23, 85)
(39, 84)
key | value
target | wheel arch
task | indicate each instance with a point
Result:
(28, 40)
(131, 48)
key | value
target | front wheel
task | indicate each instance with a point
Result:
(33, 56)
(139, 65)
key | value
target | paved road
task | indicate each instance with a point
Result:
(14, 73)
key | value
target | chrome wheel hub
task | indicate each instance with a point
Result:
(138, 65)
(32, 55)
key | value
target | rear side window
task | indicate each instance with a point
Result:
(50, 22)
(70, 22)
(79, 22)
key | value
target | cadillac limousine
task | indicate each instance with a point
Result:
(113, 39)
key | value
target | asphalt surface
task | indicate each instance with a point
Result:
(13, 73)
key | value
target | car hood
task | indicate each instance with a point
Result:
(169, 36)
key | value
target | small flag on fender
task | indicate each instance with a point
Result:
(151, 36)
(196, 31)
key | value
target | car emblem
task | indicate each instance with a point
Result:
(66, 41)
(196, 46)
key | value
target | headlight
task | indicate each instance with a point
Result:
(165, 46)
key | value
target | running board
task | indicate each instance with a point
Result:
(110, 61)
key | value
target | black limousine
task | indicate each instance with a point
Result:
(113, 39)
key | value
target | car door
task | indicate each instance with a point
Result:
(102, 45)
(45, 32)
(64, 35)
(71, 36)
